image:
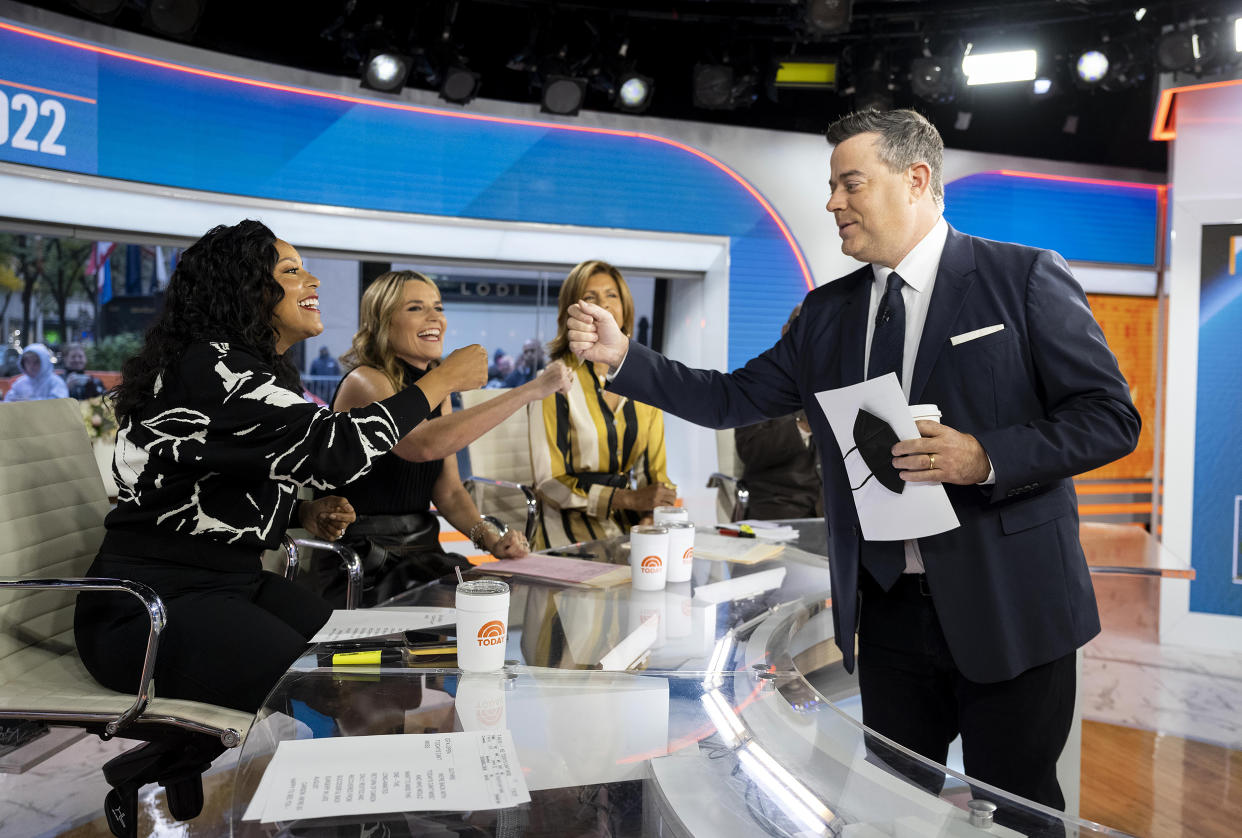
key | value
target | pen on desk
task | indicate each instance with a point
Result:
(740, 532)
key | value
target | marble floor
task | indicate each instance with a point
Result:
(1129, 679)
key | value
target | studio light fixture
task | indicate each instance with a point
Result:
(1041, 87)
(1185, 50)
(999, 67)
(634, 92)
(385, 71)
(563, 95)
(933, 78)
(460, 84)
(806, 74)
(828, 17)
(713, 86)
(175, 18)
(1237, 35)
(1091, 67)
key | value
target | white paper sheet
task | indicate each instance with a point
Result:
(740, 586)
(377, 622)
(921, 509)
(366, 775)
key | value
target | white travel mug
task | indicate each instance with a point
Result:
(482, 624)
(480, 701)
(925, 411)
(680, 551)
(648, 558)
(648, 605)
(678, 609)
(662, 515)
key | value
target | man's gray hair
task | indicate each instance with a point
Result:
(906, 138)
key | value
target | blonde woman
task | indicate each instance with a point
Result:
(588, 445)
(401, 337)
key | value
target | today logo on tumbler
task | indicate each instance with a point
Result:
(651, 564)
(492, 633)
(491, 713)
(688, 556)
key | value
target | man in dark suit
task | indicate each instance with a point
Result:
(973, 631)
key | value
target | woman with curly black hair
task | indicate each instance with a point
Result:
(215, 439)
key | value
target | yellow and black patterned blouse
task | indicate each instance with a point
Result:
(583, 452)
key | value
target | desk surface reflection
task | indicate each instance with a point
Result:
(686, 711)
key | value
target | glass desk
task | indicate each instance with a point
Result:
(706, 726)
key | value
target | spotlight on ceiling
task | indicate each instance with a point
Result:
(1041, 87)
(102, 9)
(719, 87)
(460, 84)
(933, 78)
(175, 18)
(814, 75)
(1091, 67)
(563, 95)
(828, 17)
(999, 67)
(634, 92)
(713, 86)
(1185, 50)
(385, 71)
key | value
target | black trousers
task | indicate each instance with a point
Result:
(230, 636)
(912, 692)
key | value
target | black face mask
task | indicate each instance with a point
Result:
(874, 440)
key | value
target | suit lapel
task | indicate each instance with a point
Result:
(854, 327)
(953, 280)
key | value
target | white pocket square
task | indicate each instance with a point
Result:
(977, 333)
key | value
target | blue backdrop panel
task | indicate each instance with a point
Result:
(1218, 426)
(170, 126)
(1084, 221)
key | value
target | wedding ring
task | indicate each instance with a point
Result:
(931, 462)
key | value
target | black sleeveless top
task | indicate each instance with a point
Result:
(395, 486)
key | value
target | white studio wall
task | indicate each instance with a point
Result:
(1200, 511)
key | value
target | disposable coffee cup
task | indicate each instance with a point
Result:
(662, 515)
(648, 558)
(680, 551)
(482, 624)
(925, 411)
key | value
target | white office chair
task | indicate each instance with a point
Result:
(52, 507)
(732, 495)
(502, 479)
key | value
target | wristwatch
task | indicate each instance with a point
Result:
(487, 522)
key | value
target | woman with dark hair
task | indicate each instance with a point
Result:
(215, 439)
(400, 339)
(586, 444)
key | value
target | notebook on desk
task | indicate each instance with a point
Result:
(561, 570)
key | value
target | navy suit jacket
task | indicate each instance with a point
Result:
(1043, 396)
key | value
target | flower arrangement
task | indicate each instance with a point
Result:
(99, 419)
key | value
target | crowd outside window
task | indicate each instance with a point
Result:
(81, 384)
(39, 379)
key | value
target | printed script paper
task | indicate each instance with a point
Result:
(369, 775)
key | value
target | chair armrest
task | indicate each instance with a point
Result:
(151, 603)
(349, 560)
(532, 500)
(736, 489)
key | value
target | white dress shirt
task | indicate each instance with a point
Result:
(918, 270)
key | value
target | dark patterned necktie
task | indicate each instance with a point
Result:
(885, 560)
